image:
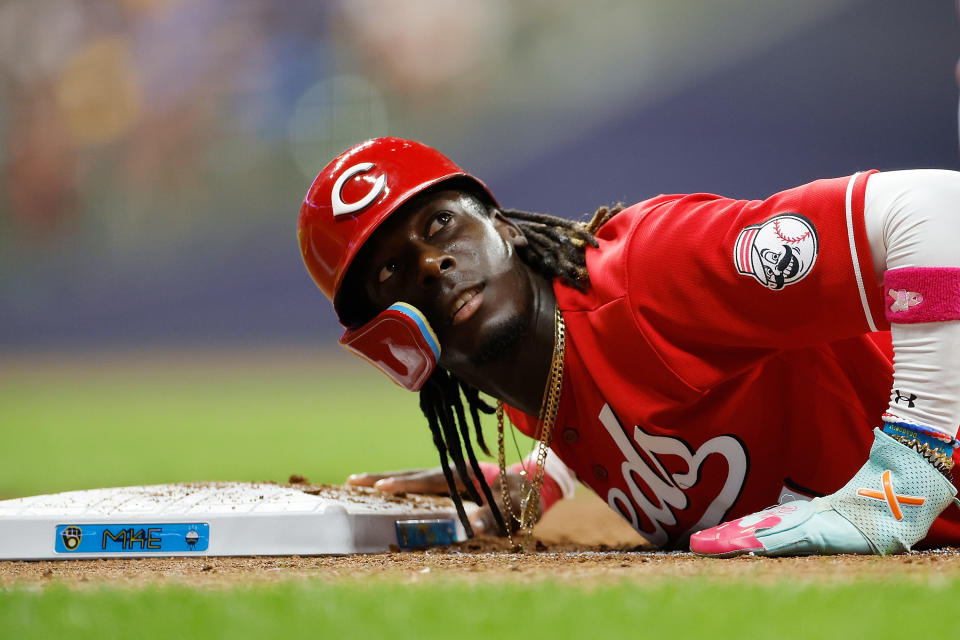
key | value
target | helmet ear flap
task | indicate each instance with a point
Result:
(400, 342)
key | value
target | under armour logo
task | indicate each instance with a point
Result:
(903, 299)
(893, 499)
(908, 399)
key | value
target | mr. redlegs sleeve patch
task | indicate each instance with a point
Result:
(777, 252)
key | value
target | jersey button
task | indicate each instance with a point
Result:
(570, 435)
(599, 472)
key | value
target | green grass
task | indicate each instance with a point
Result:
(72, 427)
(686, 608)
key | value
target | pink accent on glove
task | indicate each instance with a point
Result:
(550, 493)
(731, 537)
(490, 473)
(922, 294)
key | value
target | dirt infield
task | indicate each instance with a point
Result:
(582, 542)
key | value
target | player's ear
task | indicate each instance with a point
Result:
(508, 229)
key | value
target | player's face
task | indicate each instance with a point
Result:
(779, 265)
(451, 258)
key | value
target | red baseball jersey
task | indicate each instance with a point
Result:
(723, 357)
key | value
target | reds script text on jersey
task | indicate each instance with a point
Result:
(722, 357)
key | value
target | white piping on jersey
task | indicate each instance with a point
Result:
(853, 252)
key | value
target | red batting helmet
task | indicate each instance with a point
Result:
(355, 193)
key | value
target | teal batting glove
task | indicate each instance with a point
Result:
(886, 508)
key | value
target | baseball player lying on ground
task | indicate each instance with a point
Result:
(691, 358)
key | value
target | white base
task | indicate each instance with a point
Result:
(244, 519)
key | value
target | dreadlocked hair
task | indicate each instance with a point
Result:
(440, 403)
(556, 248)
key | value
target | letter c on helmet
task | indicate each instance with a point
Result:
(339, 206)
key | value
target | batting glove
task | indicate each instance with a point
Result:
(887, 507)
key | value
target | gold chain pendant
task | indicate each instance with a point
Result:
(530, 504)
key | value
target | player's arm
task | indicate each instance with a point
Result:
(559, 482)
(712, 278)
(912, 224)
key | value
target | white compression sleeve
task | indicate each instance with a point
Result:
(913, 220)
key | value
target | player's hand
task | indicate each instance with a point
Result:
(424, 481)
(887, 507)
(432, 482)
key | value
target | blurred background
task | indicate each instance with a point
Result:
(154, 153)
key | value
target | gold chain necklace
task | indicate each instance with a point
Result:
(530, 505)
